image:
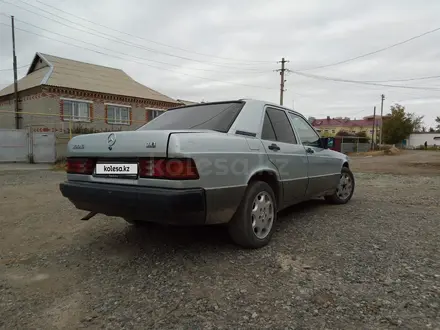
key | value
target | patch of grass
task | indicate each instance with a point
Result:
(60, 165)
(425, 164)
(367, 153)
(429, 148)
(372, 153)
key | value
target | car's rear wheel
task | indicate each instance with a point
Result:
(345, 188)
(252, 224)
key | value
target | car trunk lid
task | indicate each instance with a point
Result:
(123, 144)
(122, 155)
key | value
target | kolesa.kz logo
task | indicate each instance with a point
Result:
(106, 169)
(112, 169)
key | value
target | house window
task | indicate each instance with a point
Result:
(118, 114)
(153, 113)
(76, 110)
(333, 131)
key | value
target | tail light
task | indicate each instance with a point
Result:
(80, 165)
(172, 169)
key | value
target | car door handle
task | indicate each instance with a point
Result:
(274, 147)
(310, 151)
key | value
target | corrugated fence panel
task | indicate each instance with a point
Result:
(353, 147)
(14, 145)
(44, 147)
(363, 147)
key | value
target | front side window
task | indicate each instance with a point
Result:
(305, 132)
(76, 110)
(118, 114)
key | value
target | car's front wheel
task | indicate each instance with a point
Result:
(345, 189)
(253, 223)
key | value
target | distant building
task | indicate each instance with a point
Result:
(331, 126)
(185, 102)
(418, 139)
(56, 91)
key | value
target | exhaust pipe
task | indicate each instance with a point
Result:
(89, 216)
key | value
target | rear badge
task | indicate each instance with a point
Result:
(111, 140)
(151, 145)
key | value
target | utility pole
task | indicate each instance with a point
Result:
(14, 59)
(374, 126)
(282, 71)
(381, 118)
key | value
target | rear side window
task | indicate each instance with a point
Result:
(214, 116)
(281, 125)
(268, 133)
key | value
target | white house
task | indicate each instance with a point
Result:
(418, 139)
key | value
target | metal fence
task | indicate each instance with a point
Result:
(25, 146)
(50, 135)
(354, 144)
(51, 122)
(14, 145)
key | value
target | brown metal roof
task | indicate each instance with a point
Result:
(61, 72)
(33, 79)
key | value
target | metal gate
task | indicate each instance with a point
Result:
(354, 147)
(14, 145)
(43, 147)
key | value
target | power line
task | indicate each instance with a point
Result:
(373, 52)
(141, 63)
(141, 58)
(149, 40)
(20, 67)
(360, 82)
(112, 38)
(401, 80)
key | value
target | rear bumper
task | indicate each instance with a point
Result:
(170, 206)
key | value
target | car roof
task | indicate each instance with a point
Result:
(248, 100)
(241, 100)
(266, 103)
(262, 102)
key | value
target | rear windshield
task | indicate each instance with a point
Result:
(213, 116)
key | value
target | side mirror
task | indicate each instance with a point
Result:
(323, 142)
(331, 142)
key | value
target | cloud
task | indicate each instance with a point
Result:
(239, 34)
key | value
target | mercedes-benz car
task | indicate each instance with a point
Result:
(236, 163)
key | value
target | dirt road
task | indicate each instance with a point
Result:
(408, 163)
(372, 264)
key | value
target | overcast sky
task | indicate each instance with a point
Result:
(236, 43)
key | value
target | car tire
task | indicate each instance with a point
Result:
(252, 225)
(344, 191)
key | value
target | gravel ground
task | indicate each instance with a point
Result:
(407, 163)
(371, 264)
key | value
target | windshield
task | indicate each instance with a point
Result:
(213, 116)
